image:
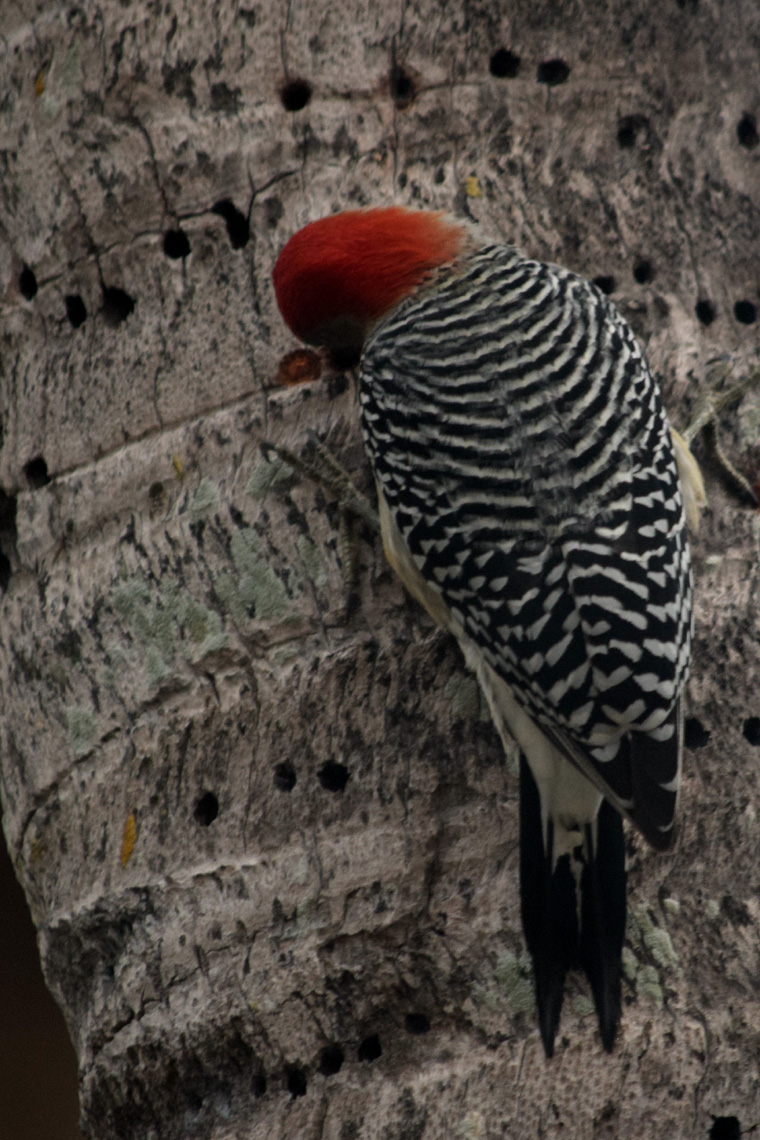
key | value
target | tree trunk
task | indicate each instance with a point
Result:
(269, 841)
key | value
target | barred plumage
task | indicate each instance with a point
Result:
(521, 446)
(528, 489)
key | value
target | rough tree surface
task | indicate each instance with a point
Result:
(270, 844)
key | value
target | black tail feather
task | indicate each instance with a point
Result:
(550, 913)
(603, 906)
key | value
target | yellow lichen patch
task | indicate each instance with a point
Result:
(472, 187)
(179, 470)
(129, 839)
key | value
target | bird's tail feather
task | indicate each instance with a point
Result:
(603, 909)
(549, 910)
(562, 930)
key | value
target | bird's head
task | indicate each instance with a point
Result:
(337, 277)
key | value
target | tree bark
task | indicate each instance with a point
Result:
(270, 842)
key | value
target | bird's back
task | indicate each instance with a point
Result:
(521, 446)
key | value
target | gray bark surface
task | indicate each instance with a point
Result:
(174, 641)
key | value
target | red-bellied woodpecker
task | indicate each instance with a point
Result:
(529, 498)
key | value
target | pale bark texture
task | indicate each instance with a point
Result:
(270, 841)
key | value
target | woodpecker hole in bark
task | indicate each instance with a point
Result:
(176, 244)
(695, 735)
(751, 730)
(746, 131)
(36, 472)
(117, 305)
(206, 809)
(643, 271)
(333, 776)
(705, 311)
(284, 777)
(402, 86)
(7, 537)
(370, 1049)
(296, 1081)
(605, 283)
(745, 312)
(27, 283)
(504, 64)
(76, 313)
(629, 128)
(331, 1060)
(295, 94)
(416, 1023)
(238, 230)
(725, 1128)
(552, 72)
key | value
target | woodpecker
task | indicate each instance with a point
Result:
(531, 497)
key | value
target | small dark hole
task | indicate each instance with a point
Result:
(626, 136)
(27, 283)
(370, 1049)
(745, 312)
(296, 1081)
(295, 94)
(285, 777)
(7, 536)
(605, 283)
(5, 572)
(416, 1023)
(552, 72)
(36, 472)
(695, 735)
(176, 244)
(746, 131)
(751, 731)
(331, 1060)
(75, 310)
(725, 1128)
(629, 128)
(333, 776)
(401, 85)
(117, 305)
(504, 64)
(206, 809)
(258, 1084)
(643, 271)
(705, 311)
(156, 490)
(238, 230)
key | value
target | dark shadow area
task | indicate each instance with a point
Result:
(38, 1074)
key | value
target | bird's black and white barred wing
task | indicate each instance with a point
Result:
(521, 446)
